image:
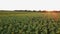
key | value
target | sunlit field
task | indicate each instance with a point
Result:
(29, 23)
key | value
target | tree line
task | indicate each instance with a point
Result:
(28, 11)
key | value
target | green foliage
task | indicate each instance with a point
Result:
(31, 23)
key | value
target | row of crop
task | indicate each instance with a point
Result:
(28, 25)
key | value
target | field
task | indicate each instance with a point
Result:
(29, 23)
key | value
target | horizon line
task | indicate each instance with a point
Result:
(32, 10)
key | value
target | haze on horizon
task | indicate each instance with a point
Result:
(30, 5)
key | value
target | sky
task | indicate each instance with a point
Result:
(29, 4)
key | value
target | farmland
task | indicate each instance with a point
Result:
(29, 23)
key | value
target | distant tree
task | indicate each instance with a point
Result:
(34, 11)
(39, 11)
